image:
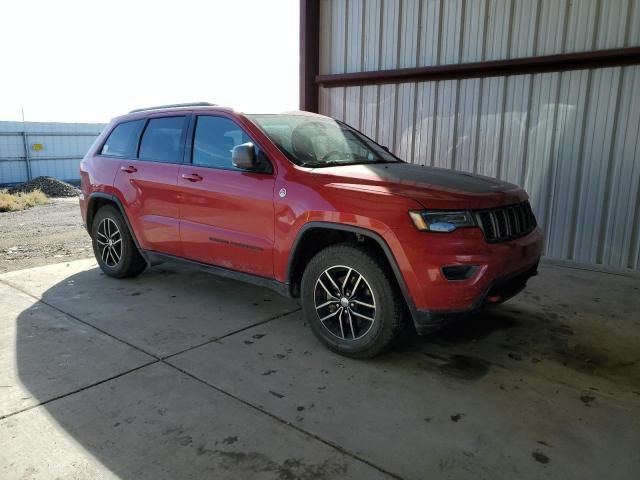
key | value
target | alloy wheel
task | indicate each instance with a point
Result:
(344, 302)
(109, 242)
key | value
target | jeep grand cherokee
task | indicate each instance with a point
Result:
(312, 208)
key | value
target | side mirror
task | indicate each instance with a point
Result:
(244, 156)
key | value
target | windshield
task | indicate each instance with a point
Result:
(320, 142)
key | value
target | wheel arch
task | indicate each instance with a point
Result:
(98, 200)
(314, 236)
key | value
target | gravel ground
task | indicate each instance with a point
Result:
(43, 235)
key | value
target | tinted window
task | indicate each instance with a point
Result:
(161, 140)
(122, 140)
(214, 140)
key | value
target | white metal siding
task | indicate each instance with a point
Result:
(570, 138)
(365, 35)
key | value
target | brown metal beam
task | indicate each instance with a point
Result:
(495, 68)
(309, 54)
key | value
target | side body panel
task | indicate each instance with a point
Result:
(150, 196)
(227, 219)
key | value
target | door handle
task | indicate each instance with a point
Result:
(192, 177)
(129, 169)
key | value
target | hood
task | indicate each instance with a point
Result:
(434, 188)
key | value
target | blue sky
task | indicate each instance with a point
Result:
(88, 61)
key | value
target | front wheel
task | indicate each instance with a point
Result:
(350, 302)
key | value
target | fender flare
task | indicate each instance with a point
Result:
(365, 233)
(116, 201)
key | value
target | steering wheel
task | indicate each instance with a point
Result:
(330, 154)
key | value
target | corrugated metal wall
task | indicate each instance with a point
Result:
(63, 146)
(571, 138)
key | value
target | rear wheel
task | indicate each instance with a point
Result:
(350, 301)
(113, 245)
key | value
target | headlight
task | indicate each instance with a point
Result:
(443, 221)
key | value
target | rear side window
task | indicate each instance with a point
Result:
(122, 140)
(162, 140)
(214, 140)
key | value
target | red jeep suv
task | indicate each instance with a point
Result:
(312, 208)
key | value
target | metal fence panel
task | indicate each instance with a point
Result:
(32, 149)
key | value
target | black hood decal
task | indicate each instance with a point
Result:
(452, 180)
(410, 175)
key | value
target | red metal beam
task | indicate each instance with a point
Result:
(495, 68)
(309, 54)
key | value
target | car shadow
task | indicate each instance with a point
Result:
(141, 418)
(152, 412)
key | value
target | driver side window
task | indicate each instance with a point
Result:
(213, 142)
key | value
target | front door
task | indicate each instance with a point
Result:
(226, 214)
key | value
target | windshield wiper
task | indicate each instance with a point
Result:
(336, 163)
(352, 159)
(330, 163)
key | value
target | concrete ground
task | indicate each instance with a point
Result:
(178, 374)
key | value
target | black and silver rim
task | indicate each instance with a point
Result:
(344, 302)
(109, 242)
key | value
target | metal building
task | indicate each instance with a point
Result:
(32, 149)
(543, 93)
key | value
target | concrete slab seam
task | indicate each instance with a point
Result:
(287, 423)
(234, 332)
(78, 390)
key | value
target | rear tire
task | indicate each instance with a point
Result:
(350, 302)
(113, 246)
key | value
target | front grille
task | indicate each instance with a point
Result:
(506, 223)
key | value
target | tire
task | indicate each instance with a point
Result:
(349, 332)
(120, 258)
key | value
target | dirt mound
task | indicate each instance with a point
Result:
(51, 187)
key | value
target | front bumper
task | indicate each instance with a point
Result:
(502, 289)
(501, 271)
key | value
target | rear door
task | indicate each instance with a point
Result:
(226, 215)
(149, 184)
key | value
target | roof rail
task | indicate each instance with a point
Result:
(174, 105)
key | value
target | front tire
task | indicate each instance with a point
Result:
(113, 246)
(350, 302)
